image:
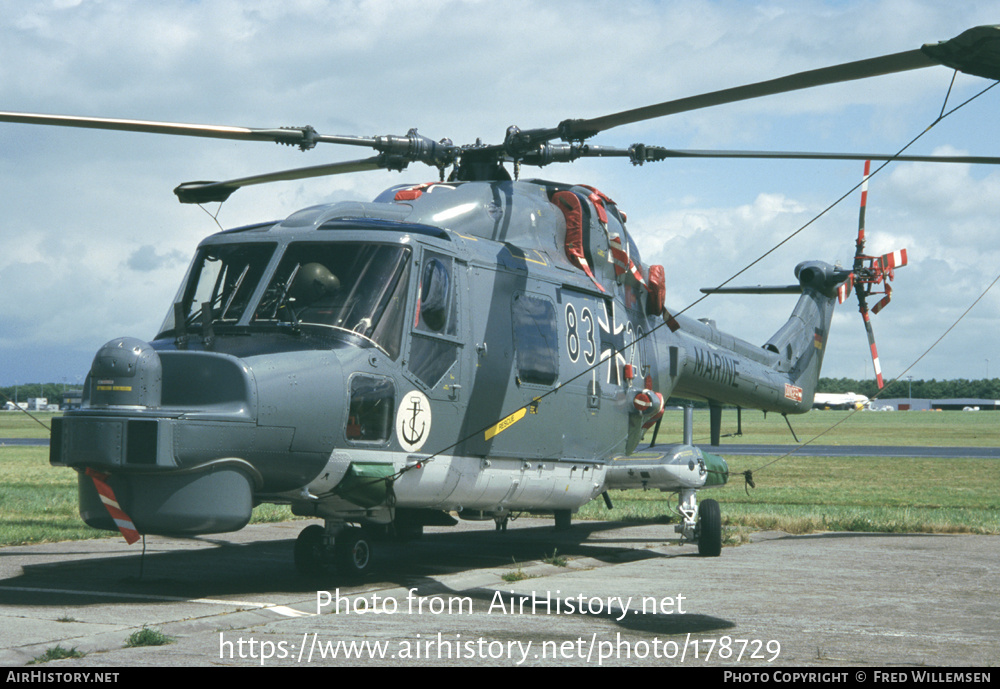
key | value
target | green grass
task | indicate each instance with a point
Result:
(517, 574)
(555, 559)
(148, 637)
(56, 653)
(16, 424)
(38, 502)
(808, 494)
(942, 429)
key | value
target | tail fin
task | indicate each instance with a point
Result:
(791, 371)
(801, 342)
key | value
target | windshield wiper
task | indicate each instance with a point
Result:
(234, 292)
(294, 321)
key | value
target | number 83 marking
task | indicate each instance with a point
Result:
(573, 335)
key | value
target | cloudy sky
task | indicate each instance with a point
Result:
(93, 243)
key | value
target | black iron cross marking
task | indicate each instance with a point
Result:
(612, 342)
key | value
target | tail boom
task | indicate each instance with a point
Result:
(710, 365)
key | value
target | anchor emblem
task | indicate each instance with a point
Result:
(414, 421)
(413, 436)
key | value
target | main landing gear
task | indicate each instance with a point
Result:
(702, 523)
(709, 529)
(321, 550)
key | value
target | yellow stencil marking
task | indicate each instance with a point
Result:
(505, 423)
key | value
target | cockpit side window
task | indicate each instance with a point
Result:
(433, 349)
(435, 307)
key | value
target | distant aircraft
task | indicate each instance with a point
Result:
(847, 400)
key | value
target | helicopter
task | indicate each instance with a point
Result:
(480, 345)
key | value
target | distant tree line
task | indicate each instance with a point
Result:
(51, 391)
(923, 389)
(920, 389)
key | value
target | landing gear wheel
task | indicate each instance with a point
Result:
(311, 551)
(709, 529)
(563, 519)
(353, 552)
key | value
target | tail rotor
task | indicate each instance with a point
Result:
(870, 275)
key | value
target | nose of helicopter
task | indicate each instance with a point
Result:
(187, 439)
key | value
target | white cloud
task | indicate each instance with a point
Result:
(92, 243)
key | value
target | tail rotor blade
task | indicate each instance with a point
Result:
(871, 343)
(844, 290)
(897, 259)
(868, 272)
(860, 246)
(883, 302)
(860, 278)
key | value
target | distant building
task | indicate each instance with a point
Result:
(918, 404)
(969, 403)
(71, 399)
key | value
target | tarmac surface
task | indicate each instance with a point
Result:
(615, 594)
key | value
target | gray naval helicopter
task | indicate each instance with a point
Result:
(479, 346)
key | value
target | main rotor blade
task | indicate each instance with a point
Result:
(303, 137)
(974, 51)
(759, 289)
(654, 153)
(206, 192)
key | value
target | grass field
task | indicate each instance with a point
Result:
(15, 424)
(796, 494)
(976, 429)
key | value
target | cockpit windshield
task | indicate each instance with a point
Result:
(344, 287)
(357, 288)
(223, 278)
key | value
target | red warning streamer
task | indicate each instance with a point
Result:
(122, 520)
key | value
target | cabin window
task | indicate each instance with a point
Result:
(369, 415)
(535, 340)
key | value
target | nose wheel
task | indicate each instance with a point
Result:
(322, 550)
